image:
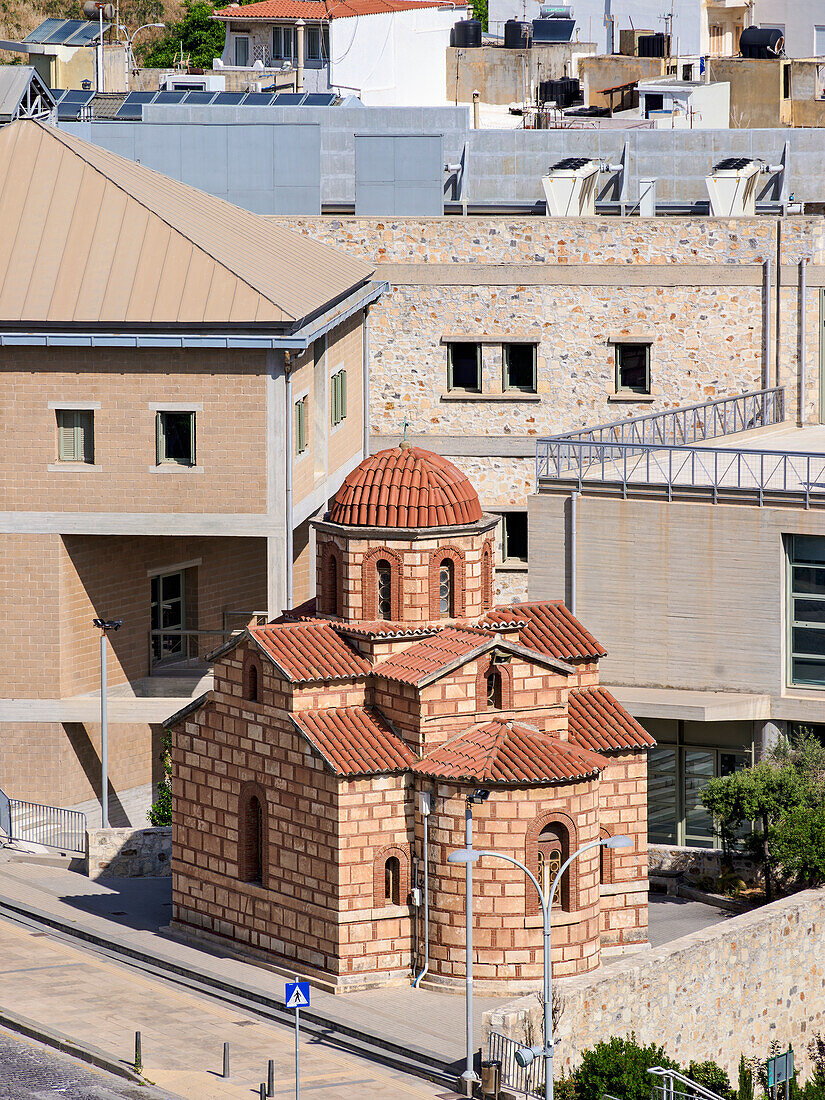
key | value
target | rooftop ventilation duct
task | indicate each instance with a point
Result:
(570, 186)
(732, 186)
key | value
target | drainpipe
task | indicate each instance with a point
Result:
(365, 375)
(766, 369)
(778, 322)
(573, 509)
(299, 60)
(803, 328)
(290, 447)
(425, 806)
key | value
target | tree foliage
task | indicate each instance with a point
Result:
(160, 812)
(199, 36)
(619, 1067)
(713, 1077)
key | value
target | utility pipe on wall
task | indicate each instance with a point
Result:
(365, 375)
(803, 332)
(290, 449)
(573, 501)
(766, 369)
(299, 58)
(425, 805)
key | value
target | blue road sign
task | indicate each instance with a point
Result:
(780, 1069)
(296, 995)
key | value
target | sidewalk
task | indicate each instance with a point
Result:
(99, 1003)
(130, 912)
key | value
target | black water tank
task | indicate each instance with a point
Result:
(564, 92)
(761, 42)
(654, 45)
(467, 34)
(517, 35)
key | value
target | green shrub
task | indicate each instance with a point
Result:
(619, 1067)
(713, 1077)
(160, 813)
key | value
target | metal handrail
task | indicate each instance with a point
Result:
(692, 1088)
(517, 1078)
(181, 648)
(37, 823)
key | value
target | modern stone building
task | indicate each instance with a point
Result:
(298, 780)
(498, 330)
(180, 379)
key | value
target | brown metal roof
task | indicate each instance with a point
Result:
(597, 722)
(508, 752)
(355, 740)
(91, 238)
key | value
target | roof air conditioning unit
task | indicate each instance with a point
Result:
(570, 187)
(732, 186)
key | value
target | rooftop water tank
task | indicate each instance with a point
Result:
(759, 42)
(467, 34)
(654, 45)
(517, 34)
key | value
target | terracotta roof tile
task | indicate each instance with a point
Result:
(596, 721)
(310, 651)
(549, 628)
(355, 740)
(429, 655)
(317, 9)
(508, 752)
(406, 487)
(383, 628)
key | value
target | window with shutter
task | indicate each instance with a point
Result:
(75, 435)
(301, 442)
(338, 398)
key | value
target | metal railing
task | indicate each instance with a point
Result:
(527, 1081)
(36, 823)
(659, 452)
(184, 649)
(666, 1087)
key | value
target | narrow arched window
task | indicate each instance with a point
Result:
(446, 589)
(552, 853)
(392, 881)
(252, 841)
(384, 585)
(252, 684)
(332, 585)
(493, 690)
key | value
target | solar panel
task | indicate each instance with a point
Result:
(258, 99)
(72, 103)
(288, 99)
(169, 97)
(58, 93)
(228, 99)
(319, 99)
(199, 96)
(84, 34)
(47, 27)
(132, 108)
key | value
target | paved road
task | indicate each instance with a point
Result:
(29, 1071)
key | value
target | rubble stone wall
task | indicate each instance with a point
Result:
(129, 853)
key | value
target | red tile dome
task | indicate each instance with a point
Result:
(406, 487)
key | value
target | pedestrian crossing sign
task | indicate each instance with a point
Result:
(296, 994)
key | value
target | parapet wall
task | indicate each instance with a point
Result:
(715, 994)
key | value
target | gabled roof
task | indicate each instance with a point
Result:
(306, 652)
(317, 9)
(355, 740)
(547, 627)
(596, 721)
(508, 752)
(91, 238)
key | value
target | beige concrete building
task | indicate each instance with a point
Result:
(499, 329)
(697, 550)
(182, 384)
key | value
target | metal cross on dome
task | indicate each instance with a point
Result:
(407, 423)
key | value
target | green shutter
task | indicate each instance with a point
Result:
(343, 395)
(300, 426)
(75, 435)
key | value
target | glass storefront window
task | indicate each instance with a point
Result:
(806, 609)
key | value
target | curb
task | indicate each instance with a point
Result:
(56, 1039)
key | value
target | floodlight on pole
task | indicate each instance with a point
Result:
(104, 625)
(525, 1056)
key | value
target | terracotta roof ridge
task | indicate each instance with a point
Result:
(68, 140)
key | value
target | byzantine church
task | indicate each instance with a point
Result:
(333, 736)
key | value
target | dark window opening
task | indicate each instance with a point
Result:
(654, 101)
(252, 683)
(520, 367)
(514, 536)
(494, 690)
(332, 585)
(392, 881)
(176, 438)
(633, 368)
(253, 828)
(786, 82)
(464, 367)
(446, 589)
(384, 582)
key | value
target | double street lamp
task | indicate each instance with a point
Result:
(525, 1056)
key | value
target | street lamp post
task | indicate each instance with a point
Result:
(469, 1077)
(525, 1056)
(130, 56)
(103, 626)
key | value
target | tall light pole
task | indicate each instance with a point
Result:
(469, 1077)
(104, 625)
(525, 1056)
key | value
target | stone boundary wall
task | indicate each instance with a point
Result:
(129, 853)
(697, 863)
(715, 994)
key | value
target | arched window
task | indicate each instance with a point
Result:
(552, 852)
(494, 689)
(332, 585)
(446, 589)
(383, 577)
(392, 881)
(487, 577)
(252, 680)
(251, 839)
(605, 860)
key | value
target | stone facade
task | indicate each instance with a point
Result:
(729, 990)
(129, 853)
